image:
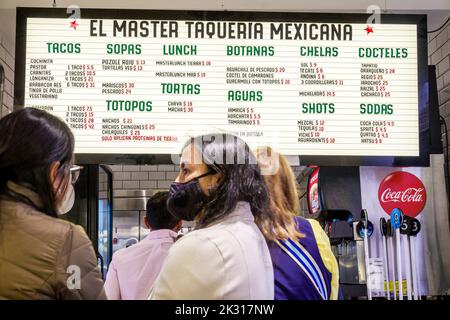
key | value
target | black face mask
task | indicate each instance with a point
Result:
(186, 199)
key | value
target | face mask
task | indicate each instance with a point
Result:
(67, 202)
(186, 199)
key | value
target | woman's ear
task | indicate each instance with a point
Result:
(218, 177)
(146, 223)
(54, 179)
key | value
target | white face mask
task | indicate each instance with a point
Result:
(67, 201)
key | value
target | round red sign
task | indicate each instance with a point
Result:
(402, 190)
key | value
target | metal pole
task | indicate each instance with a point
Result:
(365, 225)
(366, 256)
(399, 263)
(407, 267)
(414, 266)
(384, 234)
(386, 268)
(392, 263)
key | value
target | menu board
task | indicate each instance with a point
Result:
(305, 88)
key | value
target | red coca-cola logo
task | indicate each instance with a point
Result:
(402, 190)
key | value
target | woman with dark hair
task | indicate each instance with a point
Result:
(226, 257)
(41, 256)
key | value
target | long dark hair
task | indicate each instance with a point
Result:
(30, 141)
(242, 180)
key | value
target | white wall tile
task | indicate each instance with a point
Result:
(117, 185)
(157, 175)
(139, 176)
(164, 184)
(166, 167)
(130, 184)
(115, 167)
(148, 185)
(171, 176)
(149, 168)
(131, 168)
(122, 175)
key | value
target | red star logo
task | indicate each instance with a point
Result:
(369, 29)
(74, 24)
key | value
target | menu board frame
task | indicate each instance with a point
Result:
(149, 158)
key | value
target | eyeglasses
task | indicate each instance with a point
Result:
(75, 173)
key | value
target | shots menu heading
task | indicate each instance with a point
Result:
(145, 86)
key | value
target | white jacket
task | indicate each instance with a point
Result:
(227, 260)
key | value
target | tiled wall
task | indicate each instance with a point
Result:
(156, 177)
(146, 177)
(439, 55)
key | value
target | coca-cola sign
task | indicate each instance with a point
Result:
(402, 190)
